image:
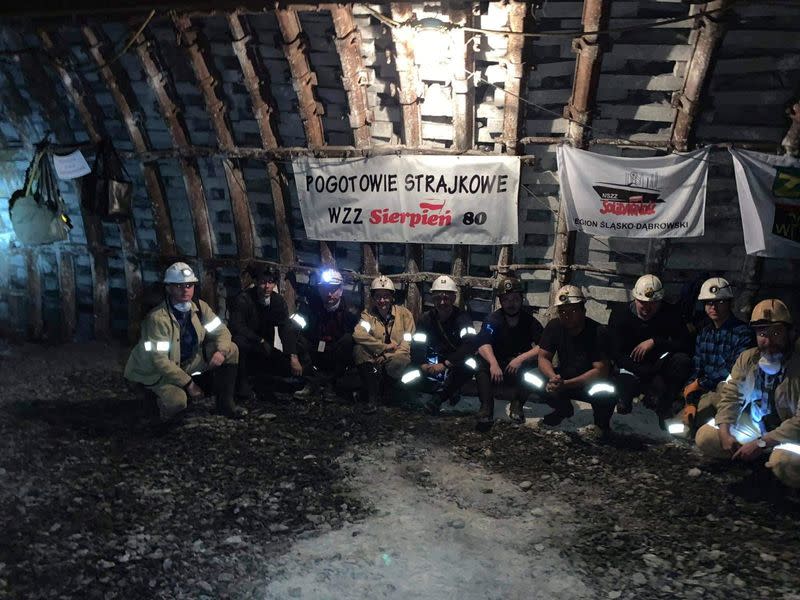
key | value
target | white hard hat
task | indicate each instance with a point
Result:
(569, 294)
(330, 277)
(648, 288)
(382, 282)
(716, 288)
(444, 284)
(179, 272)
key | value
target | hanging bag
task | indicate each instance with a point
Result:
(107, 190)
(37, 210)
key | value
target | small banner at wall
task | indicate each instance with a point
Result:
(417, 199)
(658, 197)
(769, 202)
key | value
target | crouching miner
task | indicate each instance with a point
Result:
(583, 364)
(758, 409)
(185, 345)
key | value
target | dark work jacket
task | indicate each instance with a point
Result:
(452, 340)
(626, 330)
(250, 321)
(327, 326)
(509, 342)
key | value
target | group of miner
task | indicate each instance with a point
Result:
(732, 386)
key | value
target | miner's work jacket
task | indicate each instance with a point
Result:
(156, 358)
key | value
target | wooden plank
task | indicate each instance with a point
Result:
(34, 290)
(157, 78)
(66, 289)
(119, 86)
(462, 59)
(197, 48)
(87, 108)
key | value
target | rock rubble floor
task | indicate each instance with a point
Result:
(315, 500)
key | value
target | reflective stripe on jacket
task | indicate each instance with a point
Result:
(156, 357)
(369, 335)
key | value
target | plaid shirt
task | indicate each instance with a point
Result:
(717, 349)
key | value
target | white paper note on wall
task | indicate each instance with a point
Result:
(71, 166)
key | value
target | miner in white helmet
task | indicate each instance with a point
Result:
(717, 347)
(382, 350)
(649, 346)
(583, 362)
(326, 322)
(443, 347)
(758, 417)
(184, 347)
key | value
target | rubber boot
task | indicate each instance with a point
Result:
(370, 387)
(516, 410)
(224, 385)
(562, 409)
(486, 394)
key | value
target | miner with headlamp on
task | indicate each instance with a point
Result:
(382, 350)
(758, 415)
(443, 347)
(717, 347)
(184, 347)
(579, 344)
(507, 349)
(326, 324)
(649, 343)
(256, 314)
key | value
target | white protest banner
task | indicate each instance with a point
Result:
(656, 197)
(417, 199)
(71, 166)
(769, 201)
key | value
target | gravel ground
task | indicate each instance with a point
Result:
(316, 500)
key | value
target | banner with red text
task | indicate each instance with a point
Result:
(415, 199)
(769, 201)
(655, 197)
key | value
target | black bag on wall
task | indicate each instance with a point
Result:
(107, 190)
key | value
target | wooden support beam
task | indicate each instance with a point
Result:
(462, 59)
(707, 38)
(34, 289)
(66, 287)
(588, 63)
(412, 126)
(408, 76)
(89, 111)
(515, 85)
(791, 141)
(354, 76)
(354, 80)
(158, 79)
(256, 80)
(753, 266)
(304, 79)
(119, 86)
(197, 49)
(459, 269)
